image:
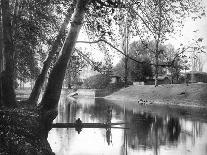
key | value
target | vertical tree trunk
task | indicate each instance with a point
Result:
(33, 98)
(126, 51)
(1, 51)
(156, 69)
(1, 43)
(126, 70)
(157, 53)
(7, 77)
(52, 93)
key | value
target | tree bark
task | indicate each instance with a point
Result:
(1, 43)
(157, 53)
(156, 69)
(7, 78)
(34, 96)
(1, 51)
(52, 93)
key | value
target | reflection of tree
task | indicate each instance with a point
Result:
(99, 109)
(191, 130)
(108, 136)
(140, 126)
(173, 127)
(148, 131)
(67, 110)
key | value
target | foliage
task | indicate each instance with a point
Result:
(156, 20)
(75, 66)
(98, 81)
(180, 57)
(179, 64)
(34, 25)
(137, 71)
(35, 18)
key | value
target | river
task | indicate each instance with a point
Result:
(146, 134)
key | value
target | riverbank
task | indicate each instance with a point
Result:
(192, 95)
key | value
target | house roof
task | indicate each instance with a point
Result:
(162, 77)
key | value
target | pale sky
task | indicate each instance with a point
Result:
(201, 26)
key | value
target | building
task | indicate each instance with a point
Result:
(196, 76)
(162, 79)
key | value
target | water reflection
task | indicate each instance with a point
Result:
(148, 133)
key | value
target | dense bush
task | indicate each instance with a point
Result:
(98, 81)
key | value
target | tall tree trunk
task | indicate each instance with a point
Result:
(157, 53)
(126, 51)
(126, 71)
(33, 98)
(1, 51)
(53, 90)
(1, 43)
(50, 99)
(156, 69)
(7, 77)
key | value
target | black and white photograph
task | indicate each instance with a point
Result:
(103, 77)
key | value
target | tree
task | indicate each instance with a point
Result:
(33, 23)
(53, 51)
(137, 71)
(1, 43)
(159, 19)
(47, 108)
(75, 66)
(150, 20)
(180, 56)
(98, 81)
(1, 48)
(34, 124)
(8, 97)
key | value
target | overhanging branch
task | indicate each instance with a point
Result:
(88, 60)
(141, 62)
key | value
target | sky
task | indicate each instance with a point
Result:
(201, 26)
(190, 26)
(188, 33)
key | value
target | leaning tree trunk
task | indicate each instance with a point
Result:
(34, 96)
(25, 132)
(49, 103)
(8, 96)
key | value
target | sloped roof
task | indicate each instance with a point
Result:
(162, 77)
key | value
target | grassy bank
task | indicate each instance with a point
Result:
(177, 94)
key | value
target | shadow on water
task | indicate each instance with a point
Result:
(147, 134)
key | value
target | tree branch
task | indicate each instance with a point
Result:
(102, 40)
(142, 19)
(111, 4)
(92, 63)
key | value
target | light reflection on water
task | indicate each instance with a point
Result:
(149, 134)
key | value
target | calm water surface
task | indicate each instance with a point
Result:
(149, 134)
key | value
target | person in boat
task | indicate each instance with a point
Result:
(78, 125)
